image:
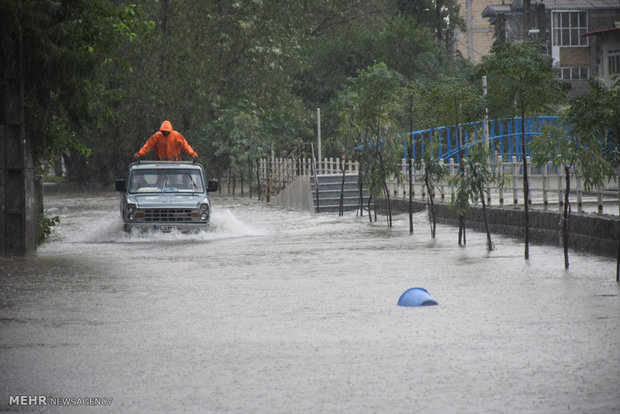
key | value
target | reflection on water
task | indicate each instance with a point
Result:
(281, 311)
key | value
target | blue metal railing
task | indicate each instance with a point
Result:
(504, 137)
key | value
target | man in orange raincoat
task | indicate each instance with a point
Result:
(168, 145)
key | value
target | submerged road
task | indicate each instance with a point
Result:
(277, 311)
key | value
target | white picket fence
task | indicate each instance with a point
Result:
(546, 184)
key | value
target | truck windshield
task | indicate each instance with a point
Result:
(166, 181)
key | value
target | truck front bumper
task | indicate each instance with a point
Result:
(165, 227)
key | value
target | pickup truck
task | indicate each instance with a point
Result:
(164, 195)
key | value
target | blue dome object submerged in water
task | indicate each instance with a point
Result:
(416, 296)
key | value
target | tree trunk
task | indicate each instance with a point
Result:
(360, 182)
(341, 201)
(374, 207)
(251, 175)
(411, 165)
(385, 191)
(525, 187)
(258, 189)
(566, 217)
(410, 195)
(431, 209)
(459, 135)
(388, 204)
(241, 181)
(486, 221)
(462, 232)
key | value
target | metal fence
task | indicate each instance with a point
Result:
(505, 140)
(504, 136)
(546, 184)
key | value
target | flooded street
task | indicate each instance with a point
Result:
(277, 311)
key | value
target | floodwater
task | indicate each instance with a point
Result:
(277, 311)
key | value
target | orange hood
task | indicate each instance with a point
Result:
(166, 126)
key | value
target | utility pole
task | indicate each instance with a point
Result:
(318, 131)
(486, 111)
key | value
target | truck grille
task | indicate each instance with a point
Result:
(168, 215)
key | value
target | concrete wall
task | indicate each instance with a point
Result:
(593, 233)
(297, 195)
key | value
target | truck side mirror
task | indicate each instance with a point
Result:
(120, 185)
(212, 186)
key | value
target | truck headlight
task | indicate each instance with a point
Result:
(131, 212)
(204, 212)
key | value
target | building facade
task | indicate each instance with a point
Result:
(605, 54)
(476, 41)
(580, 35)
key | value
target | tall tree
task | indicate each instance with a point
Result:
(587, 137)
(68, 48)
(478, 174)
(199, 61)
(191, 61)
(370, 114)
(434, 171)
(452, 101)
(522, 78)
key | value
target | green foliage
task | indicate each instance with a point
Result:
(66, 48)
(241, 76)
(473, 183)
(449, 100)
(434, 169)
(370, 111)
(203, 64)
(478, 174)
(239, 136)
(595, 119)
(405, 45)
(45, 226)
(521, 80)
(434, 172)
(587, 136)
(331, 60)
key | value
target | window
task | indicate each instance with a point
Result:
(166, 181)
(569, 28)
(613, 59)
(574, 73)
